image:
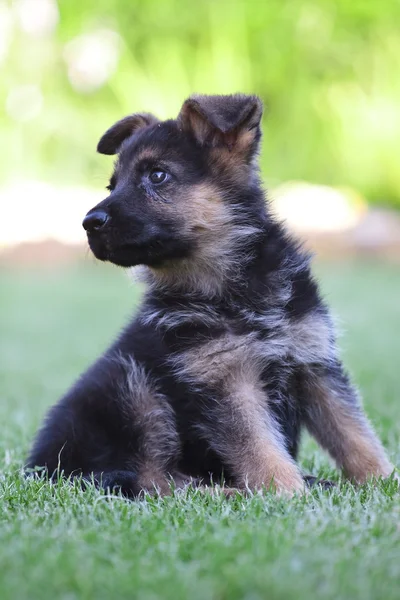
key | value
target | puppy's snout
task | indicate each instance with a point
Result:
(95, 220)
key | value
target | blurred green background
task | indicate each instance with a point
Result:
(328, 71)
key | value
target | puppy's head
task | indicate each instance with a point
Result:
(173, 193)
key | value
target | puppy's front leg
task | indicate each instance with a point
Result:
(233, 414)
(334, 415)
(241, 430)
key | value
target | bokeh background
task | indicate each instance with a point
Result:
(327, 71)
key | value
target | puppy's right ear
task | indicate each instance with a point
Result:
(111, 141)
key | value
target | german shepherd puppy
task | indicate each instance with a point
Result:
(232, 351)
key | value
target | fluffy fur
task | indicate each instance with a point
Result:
(232, 351)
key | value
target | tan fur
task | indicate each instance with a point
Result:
(243, 141)
(304, 341)
(310, 339)
(221, 360)
(263, 460)
(246, 437)
(206, 211)
(153, 481)
(149, 153)
(344, 431)
(237, 138)
(232, 161)
(160, 446)
(192, 121)
(209, 223)
(230, 146)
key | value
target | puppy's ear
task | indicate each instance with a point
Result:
(111, 141)
(230, 121)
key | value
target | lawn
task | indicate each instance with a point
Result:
(60, 542)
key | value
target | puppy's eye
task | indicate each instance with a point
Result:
(158, 176)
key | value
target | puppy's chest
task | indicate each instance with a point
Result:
(244, 349)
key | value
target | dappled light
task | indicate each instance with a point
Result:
(37, 18)
(91, 59)
(306, 207)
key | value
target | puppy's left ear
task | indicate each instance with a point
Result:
(232, 121)
(111, 141)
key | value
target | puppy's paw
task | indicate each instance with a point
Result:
(289, 486)
(119, 482)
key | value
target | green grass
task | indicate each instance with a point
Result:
(59, 542)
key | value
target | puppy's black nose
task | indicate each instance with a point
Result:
(95, 220)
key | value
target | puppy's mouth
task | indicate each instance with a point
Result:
(126, 254)
(99, 246)
(152, 252)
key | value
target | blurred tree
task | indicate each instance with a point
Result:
(326, 69)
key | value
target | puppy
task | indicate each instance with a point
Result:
(232, 351)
